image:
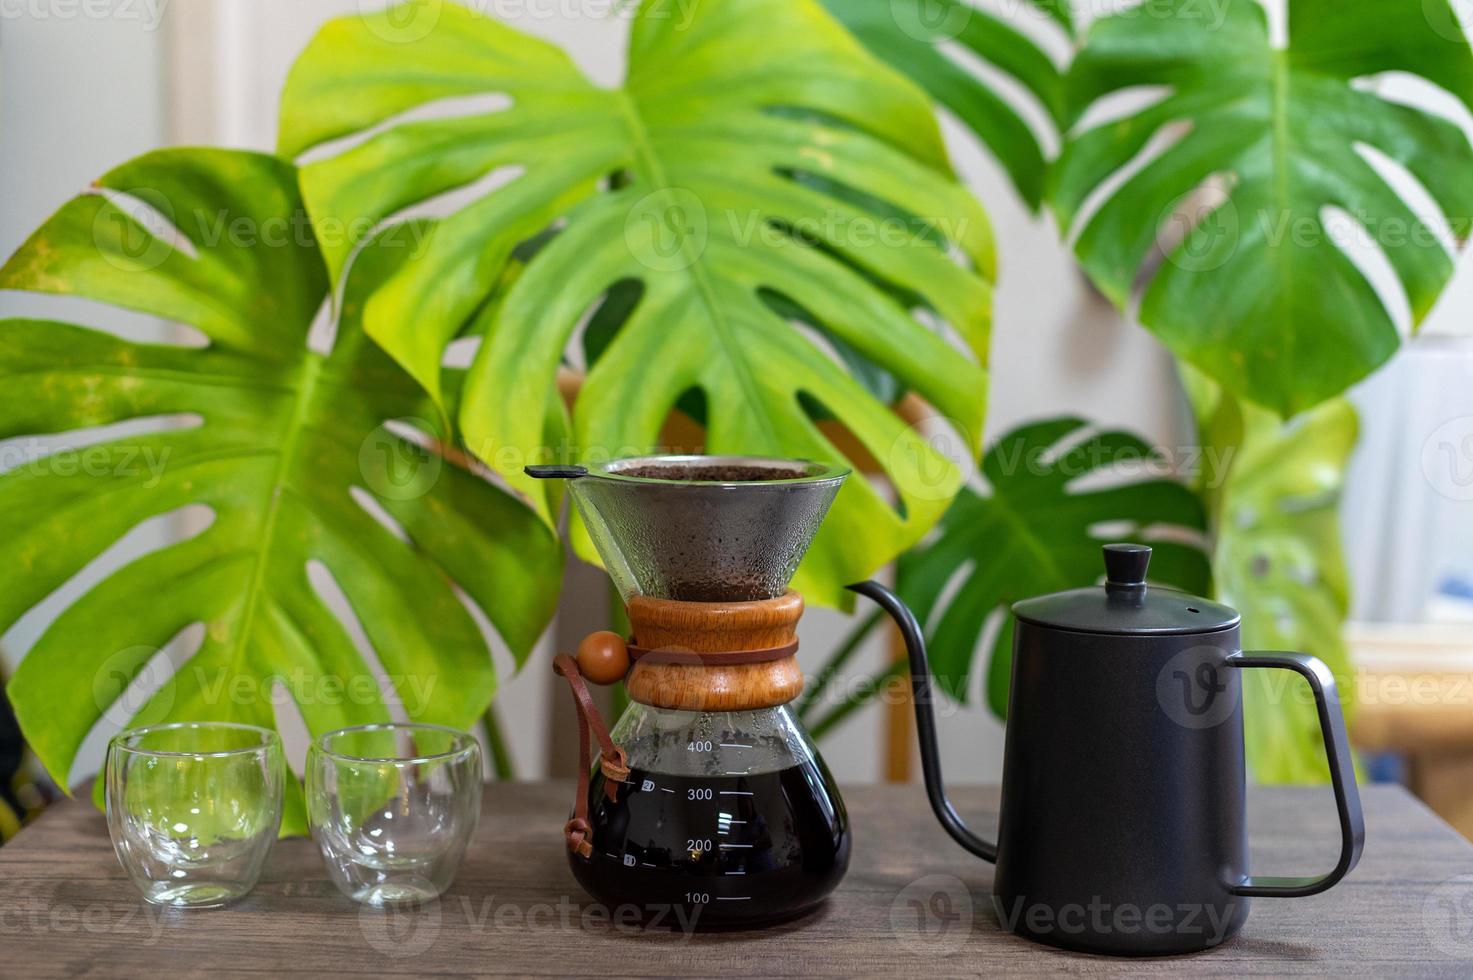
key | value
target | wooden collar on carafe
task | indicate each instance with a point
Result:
(664, 629)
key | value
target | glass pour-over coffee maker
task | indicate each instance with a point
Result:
(707, 795)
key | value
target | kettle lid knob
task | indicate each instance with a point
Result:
(1126, 606)
(1125, 567)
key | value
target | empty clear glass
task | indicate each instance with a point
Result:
(194, 808)
(392, 808)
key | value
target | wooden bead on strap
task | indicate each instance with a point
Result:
(603, 657)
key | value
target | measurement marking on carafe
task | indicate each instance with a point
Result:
(736, 872)
(665, 790)
(727, 847)
(734, 745)
(733, 898)
(735, 792)
(646, 864)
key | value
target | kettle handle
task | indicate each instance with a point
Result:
(920, 679)
(1342, 776)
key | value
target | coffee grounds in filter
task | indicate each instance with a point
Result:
(712, 474)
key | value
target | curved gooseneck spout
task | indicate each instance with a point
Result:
(920, 679)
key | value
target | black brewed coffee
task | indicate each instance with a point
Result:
(728, 850)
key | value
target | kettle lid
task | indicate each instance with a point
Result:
(1125, 605)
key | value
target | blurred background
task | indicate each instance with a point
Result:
(82, 92)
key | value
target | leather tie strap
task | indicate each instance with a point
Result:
(733, 658)
(612, 760)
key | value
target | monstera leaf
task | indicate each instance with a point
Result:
(918, 36)
(1279, 562)
(291, 452)
(755, 160)
(1259, 294)
(1036, 531)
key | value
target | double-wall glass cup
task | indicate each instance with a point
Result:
(392, 808)
(194, 808)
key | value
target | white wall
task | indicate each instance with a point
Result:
(77, 96)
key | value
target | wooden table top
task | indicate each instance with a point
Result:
(66, 908)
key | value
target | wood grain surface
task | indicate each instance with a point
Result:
(715, 627)
(913, 904)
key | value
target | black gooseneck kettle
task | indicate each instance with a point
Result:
(1123, 827)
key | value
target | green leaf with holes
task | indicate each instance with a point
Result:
(932, 42)
(755, 160)
(291, 451)
(1279, 562)
(1260, 172)
(1057, 491)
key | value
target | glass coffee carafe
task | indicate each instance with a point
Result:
(734, 810)
(707, 798)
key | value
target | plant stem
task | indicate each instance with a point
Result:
(502, 765)
(836, 662)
